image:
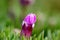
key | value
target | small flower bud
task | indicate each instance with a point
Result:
(26, 2)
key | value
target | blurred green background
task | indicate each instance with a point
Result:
(48, 19)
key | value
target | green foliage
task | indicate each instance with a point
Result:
(48, 19)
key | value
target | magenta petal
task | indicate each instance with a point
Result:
(30, 18)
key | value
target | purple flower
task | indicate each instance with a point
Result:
(28, 24)
(26, 2)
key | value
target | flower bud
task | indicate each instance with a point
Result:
(26, 2)
(28, 24)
